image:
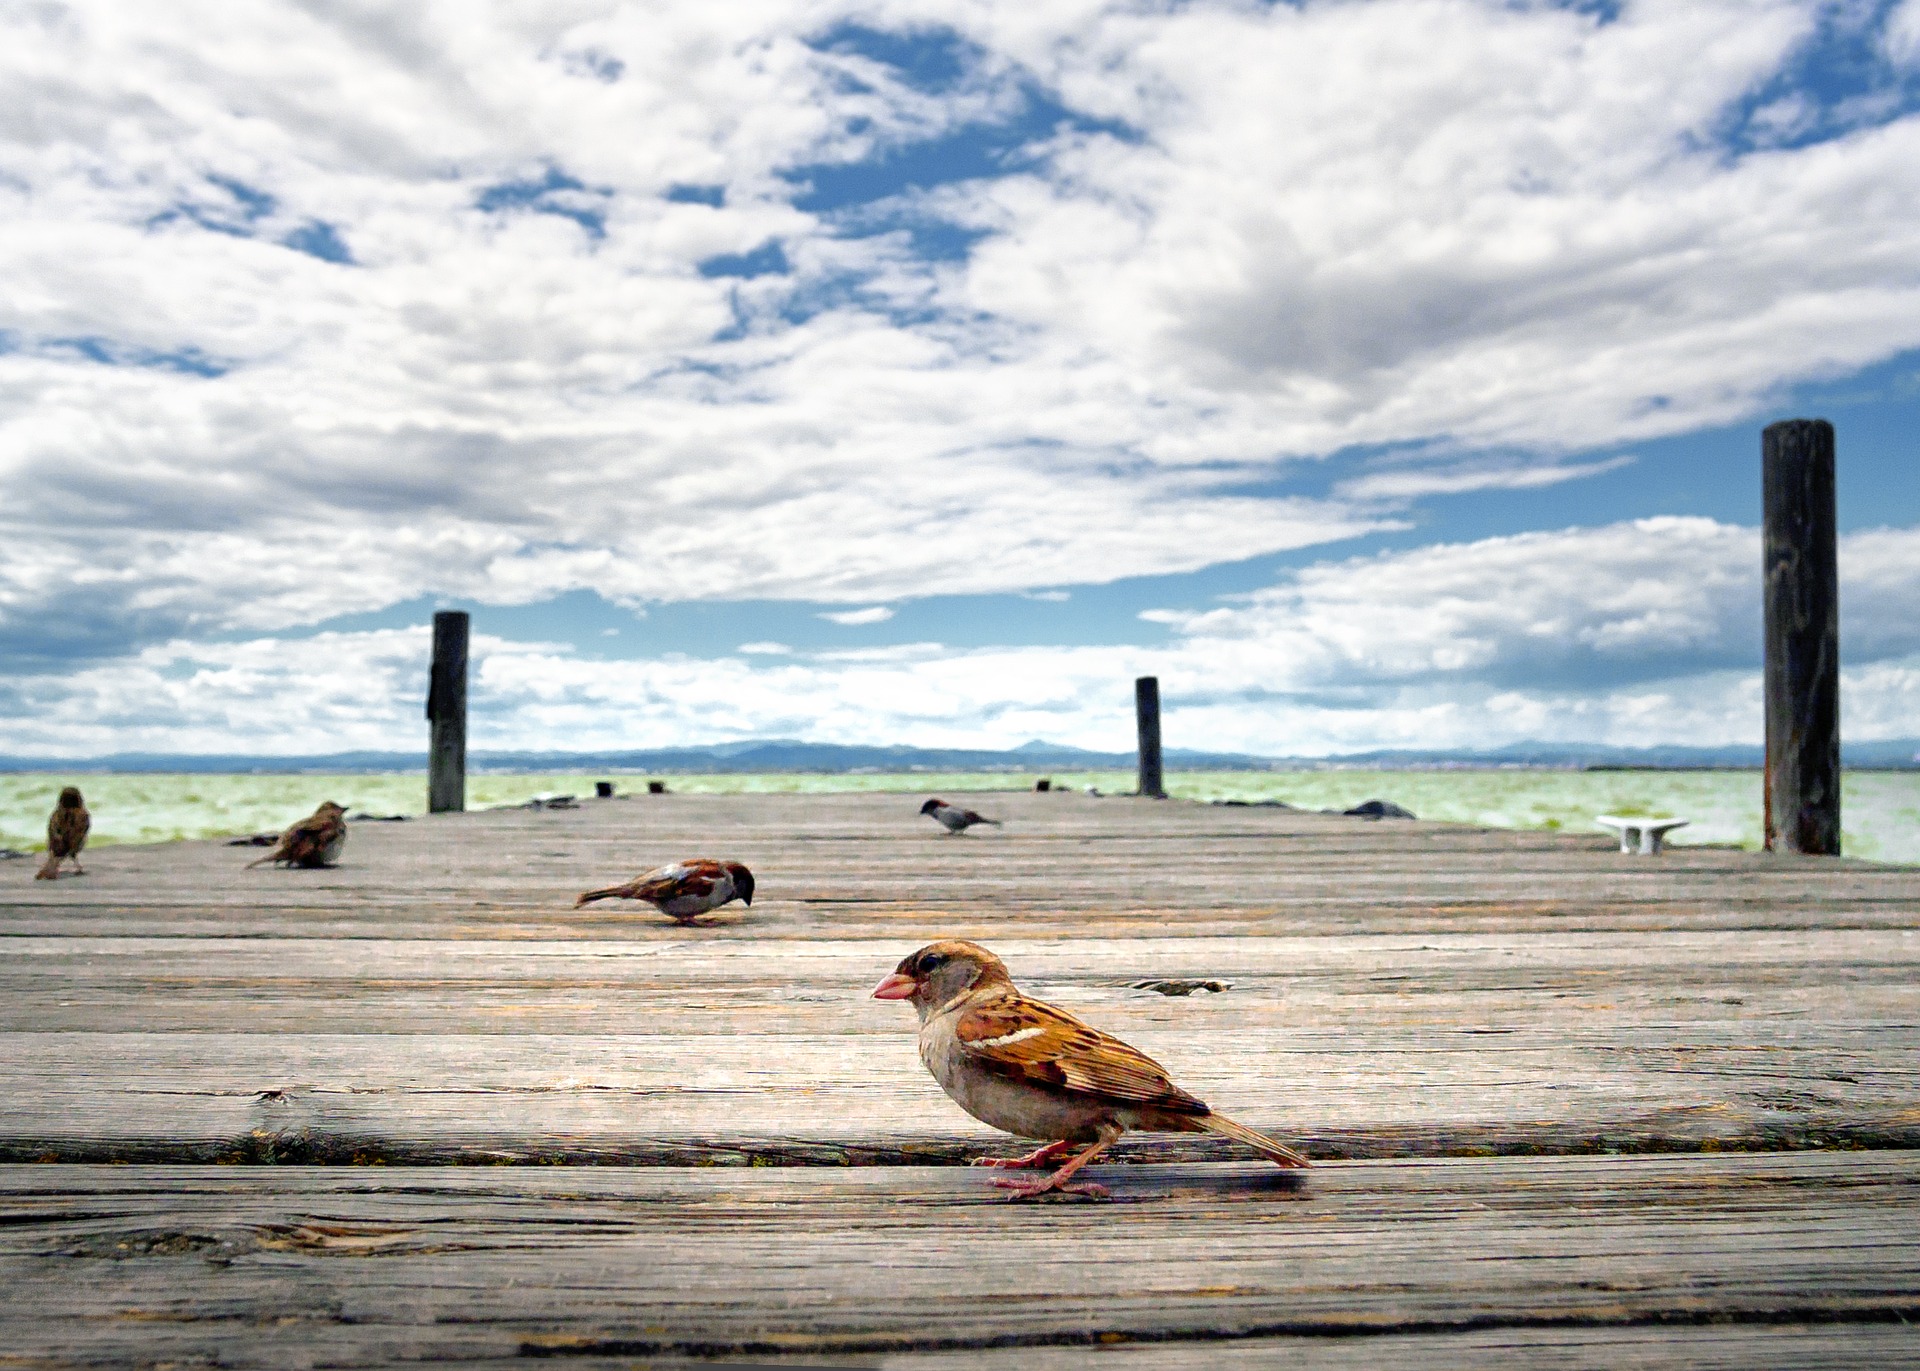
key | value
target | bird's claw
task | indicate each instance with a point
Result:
(1029, 1189)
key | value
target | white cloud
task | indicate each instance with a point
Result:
(1468, 477)
(1633, 633)
(1431, 221)
(875, 614)
(1901, 37)
(765, 650)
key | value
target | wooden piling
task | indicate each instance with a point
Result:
(447, 711)
(1802, 778)
(1146, 705)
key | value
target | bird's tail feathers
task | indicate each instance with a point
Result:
(1277, 1152)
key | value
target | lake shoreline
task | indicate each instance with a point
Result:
(1880, 808)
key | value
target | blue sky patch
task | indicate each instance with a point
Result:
(317, 238)
(932, 59)
(1838, 81)
(554, 193)
(189, 361)
(769, 259)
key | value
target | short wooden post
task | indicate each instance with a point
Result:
(447, 711)
(1802, 781)
(1146, 707)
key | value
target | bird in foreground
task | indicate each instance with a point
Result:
(1038, 1072)
(953, 818)
(685, 890)
(313, 842)
(66, 834)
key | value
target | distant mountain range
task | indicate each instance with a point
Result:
(790, 755)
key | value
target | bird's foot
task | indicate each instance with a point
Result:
(1038, 1157)
(1025, 1189)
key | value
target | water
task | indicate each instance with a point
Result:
(1881, 809)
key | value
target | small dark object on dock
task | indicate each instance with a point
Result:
(8, 854)
(552, 802)
(257, 840)
(1254, 804)
(364, 818)
(1043, 785)
(656, 787)
(1182, 987)
(603, 790)
(1378, 809)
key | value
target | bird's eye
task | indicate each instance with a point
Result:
(933, 960)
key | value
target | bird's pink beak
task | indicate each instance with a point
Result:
(895, 987)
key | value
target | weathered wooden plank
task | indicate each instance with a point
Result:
(716, 1043)
(438, 997)
(1663, 1347)
(868, 866)
(368, 1266)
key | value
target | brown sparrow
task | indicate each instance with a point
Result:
(66, 835)
(1038, 1072)
(953, 818)
(685, 890)
(315, 841)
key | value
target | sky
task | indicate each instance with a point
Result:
(1378, 373)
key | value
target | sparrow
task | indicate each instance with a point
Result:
(953, 818)
(1038, 1072)
(315, 841)
(685, 890)
(66, 834)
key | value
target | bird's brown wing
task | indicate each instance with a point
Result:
(1027, 1040)
(67, 831)
(307, 840)
(695, 878)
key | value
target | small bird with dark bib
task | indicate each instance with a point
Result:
(954, 818)
(683, 891)
(1037, 1072)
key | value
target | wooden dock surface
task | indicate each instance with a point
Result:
(1746, 1258)
(1395, 990)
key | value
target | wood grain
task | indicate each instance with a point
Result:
(868, 866)
(1399, 1263)
(1395, 989)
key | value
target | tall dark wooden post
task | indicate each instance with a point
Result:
(1803, 638)
(1146, 707)
(447, 710)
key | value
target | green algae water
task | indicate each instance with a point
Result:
(1880, 809)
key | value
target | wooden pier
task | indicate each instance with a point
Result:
(1574, 1107)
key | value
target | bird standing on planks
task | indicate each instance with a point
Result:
(313, 842)
(953, 818)
(66, 834)
(685, 890)
(1038, 1072)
